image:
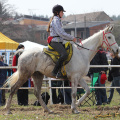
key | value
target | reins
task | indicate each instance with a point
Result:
(78, 44)
(81, 46)
(104, 41)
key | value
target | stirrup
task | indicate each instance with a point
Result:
(60, 75)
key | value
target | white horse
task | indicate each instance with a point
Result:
(35, 63)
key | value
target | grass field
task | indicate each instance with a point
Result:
(62, 112)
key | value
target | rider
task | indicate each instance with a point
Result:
(57, 34)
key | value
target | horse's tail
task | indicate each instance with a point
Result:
(11, 80)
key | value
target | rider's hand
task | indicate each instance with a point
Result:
(74, 39)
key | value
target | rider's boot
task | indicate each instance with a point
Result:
(57, 73)
(58, 66)
(57, 70)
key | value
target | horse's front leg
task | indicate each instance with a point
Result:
(74, 83)
(87, 89)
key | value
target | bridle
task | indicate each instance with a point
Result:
(106, 41)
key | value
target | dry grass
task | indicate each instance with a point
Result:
(62, 112)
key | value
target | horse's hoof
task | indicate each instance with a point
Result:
(75, 111)
(8, 113)
(50, 112)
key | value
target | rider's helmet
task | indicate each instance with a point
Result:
(57, 8)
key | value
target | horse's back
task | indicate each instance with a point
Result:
(34, 60)
(28, 57)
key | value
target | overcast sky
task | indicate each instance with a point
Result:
(44, 7)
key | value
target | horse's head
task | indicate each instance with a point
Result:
(108, 40)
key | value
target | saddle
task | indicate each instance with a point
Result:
(55, 55)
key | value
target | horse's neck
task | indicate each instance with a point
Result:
(91, 43)
(95, 43)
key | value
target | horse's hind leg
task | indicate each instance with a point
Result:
(38, 78)
(14, 89)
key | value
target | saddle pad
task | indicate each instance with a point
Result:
(55, 55)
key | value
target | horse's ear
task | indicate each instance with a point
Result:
(107, 28)
(111, 28)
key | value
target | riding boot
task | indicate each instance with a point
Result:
(57, 71)
(56, 68)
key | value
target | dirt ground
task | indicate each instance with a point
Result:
(61, 112)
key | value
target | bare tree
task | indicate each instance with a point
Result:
(6, 15)
(8, 23)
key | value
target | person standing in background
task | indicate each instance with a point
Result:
(99, 59)
(3, 77)
(7, 73)
(22, 94)
(114, 76)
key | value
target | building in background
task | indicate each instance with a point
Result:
(79, 25)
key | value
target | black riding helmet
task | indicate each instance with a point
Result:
(57, 8)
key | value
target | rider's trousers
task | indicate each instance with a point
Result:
(58, 46)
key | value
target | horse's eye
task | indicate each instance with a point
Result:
(109, 37)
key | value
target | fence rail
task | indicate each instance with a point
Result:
(8, 67)
(91, 66)
(30, 88)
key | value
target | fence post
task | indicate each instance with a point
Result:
(50, 91)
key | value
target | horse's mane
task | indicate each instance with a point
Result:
(91, 37)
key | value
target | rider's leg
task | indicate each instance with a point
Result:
(63, 56)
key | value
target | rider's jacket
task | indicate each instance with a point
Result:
(57, 30)
(99, 59)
